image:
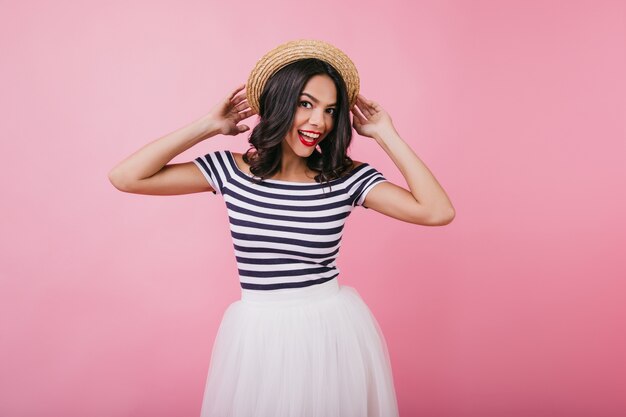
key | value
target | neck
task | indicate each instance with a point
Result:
(291, 165)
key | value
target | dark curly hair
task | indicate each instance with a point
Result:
(277, 107)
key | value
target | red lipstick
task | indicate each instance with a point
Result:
(308, 141)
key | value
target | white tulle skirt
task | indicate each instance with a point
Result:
(308, 352)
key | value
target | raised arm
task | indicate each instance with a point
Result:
(427, 203)
(146, 171)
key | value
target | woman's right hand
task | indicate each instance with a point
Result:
(231, 110)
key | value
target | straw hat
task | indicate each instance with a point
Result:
(292, 51)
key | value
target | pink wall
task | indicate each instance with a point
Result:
(109, 302)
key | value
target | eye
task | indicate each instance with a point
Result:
(332, 111)
(304, 102)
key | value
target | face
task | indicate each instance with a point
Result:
(314, 117)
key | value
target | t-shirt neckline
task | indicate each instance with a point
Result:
(236, 167)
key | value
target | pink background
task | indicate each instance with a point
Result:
(109, 302)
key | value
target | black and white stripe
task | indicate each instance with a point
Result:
(285, 234)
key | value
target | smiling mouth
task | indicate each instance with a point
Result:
(307, 141)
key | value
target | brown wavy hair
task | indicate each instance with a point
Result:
(277, 107)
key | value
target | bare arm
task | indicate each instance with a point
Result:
(146, 171)
(426, 203)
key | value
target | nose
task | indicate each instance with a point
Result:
(317, 118)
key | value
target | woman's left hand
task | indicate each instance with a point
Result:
(371, 119)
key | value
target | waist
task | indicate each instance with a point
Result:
(292, 295)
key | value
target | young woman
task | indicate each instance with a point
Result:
(297, 343)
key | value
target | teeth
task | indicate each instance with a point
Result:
(309, 135)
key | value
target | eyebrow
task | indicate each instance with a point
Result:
(314, 99)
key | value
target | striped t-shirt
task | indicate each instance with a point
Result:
(285, 234)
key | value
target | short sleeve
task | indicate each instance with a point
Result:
(366, 179)
(213, 167)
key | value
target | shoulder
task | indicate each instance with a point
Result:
(350, 171)
(356, 164)
(241, 164)
(238, 157)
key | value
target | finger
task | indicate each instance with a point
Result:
(238, 99)
(376, 106)
(246, 114)
(361, 101)
(370, 103)
(355, 121)
(366, 100)
(243, 128)
(364, 108)
(238, 89)
(355, 112)
(243, 104)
